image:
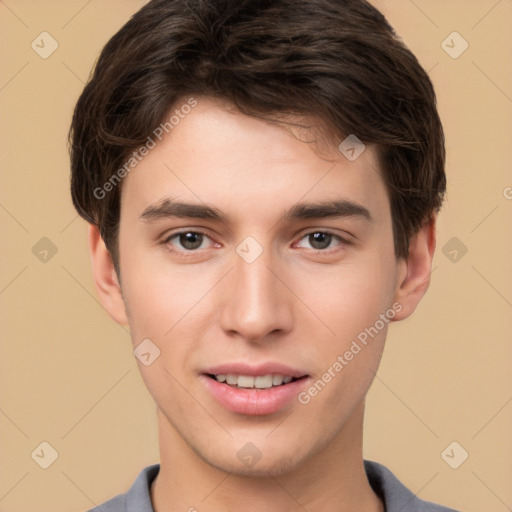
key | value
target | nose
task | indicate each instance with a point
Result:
(256, 305)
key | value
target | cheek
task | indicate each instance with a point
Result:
(351, 297)
(155, 297)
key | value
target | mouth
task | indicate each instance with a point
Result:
(254, 391)
(253, 382)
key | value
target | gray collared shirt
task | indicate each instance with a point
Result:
(396, 497)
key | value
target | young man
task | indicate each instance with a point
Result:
(261, 180)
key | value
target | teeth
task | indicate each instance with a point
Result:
(245, 381)
(277, 380)
(232, 380)
(259, 382)
(263, 382)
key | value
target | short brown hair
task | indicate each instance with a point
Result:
(338, 60)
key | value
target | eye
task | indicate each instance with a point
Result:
(321, 240)
(188, 240)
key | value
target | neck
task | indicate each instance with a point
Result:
(330, 480)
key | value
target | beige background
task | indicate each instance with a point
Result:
(68, 376)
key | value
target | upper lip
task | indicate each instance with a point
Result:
(255, 370)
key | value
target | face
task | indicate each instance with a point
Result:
(248, 260)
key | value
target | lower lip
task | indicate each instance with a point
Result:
(254, 402)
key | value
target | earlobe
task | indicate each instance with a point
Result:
(413, 275)
(105, 277)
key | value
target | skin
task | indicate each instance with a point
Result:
(296, 304)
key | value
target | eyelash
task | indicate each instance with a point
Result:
(342, 241)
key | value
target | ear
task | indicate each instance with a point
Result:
(413, 273)
(105, 277)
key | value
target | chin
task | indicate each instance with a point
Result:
(275, 467)
(271, 461)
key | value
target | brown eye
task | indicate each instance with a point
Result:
(191, 241)
(188, 240)
(320, 240)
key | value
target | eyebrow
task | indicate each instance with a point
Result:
(168, 208)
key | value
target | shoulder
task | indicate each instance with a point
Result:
(394, 494)
(137, 498)
(116, 504)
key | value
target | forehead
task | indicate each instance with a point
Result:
(215, 154)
